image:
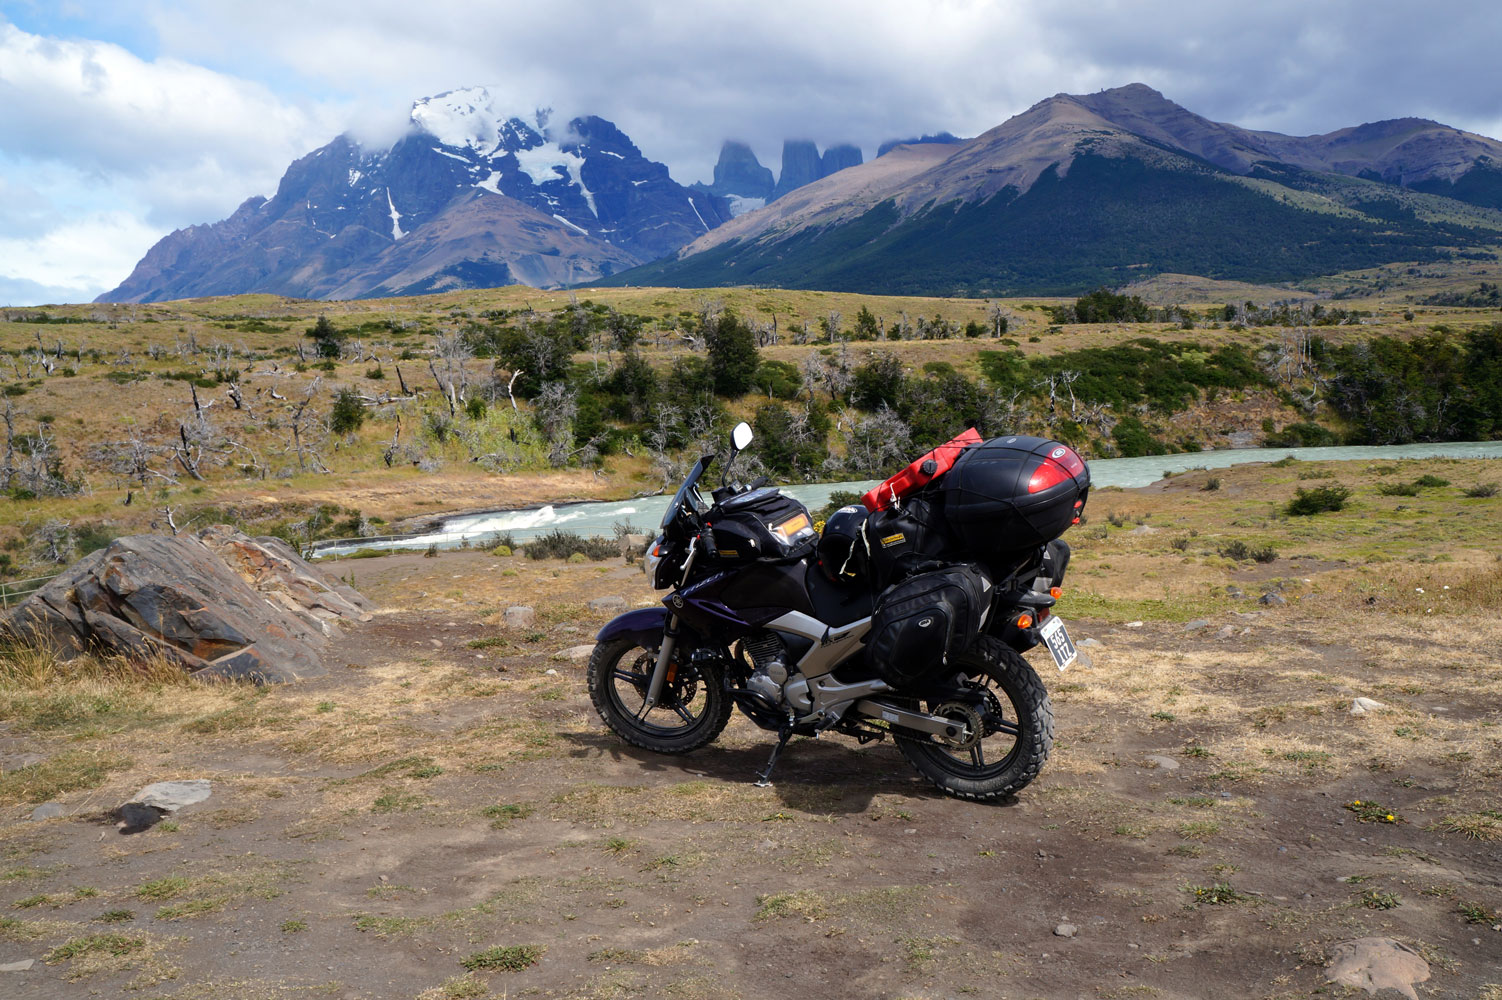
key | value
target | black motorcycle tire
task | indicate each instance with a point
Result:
(1022, 697)
(607, 673)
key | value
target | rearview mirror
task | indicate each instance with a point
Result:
(741, 436)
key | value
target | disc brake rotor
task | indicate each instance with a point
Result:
(959, 711)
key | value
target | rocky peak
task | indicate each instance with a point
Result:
(800, 166)
(838, 157)
(739, 172)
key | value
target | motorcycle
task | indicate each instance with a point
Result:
(905, 618)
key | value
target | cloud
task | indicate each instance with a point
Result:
(203, 103)
(94, 138)
(72, 255)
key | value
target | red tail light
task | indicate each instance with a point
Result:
(1050, 473)
(1061, 464)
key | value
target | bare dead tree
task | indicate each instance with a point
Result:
(8, 470)
(389, 455)
(53, 541)
(185, 454)
(1068, 378)
(299, 415)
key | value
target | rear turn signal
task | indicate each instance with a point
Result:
(1056, 592)
(1026, 621)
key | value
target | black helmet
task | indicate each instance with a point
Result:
(842, 547)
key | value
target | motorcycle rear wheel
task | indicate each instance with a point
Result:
(692, 711)
(1017, 732)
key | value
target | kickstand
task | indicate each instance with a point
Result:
(764, 776)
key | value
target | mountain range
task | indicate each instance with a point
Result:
(1080, 191)
(740, 178)
(1077, 191)
(470, 197)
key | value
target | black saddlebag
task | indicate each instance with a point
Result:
(922, 621)
(904, 540)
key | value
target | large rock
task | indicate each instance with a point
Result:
(221, 605)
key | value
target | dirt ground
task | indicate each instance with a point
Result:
(446, 795)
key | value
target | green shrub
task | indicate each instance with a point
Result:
(560, 544)
(1302, 435)
(1430, 481)
(1481, 491)
(1242, 552)
(1317, 500)
(1398, 489)
(347, 415)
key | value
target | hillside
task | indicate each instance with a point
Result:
(1109, 188)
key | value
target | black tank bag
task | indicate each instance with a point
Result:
(924, 620)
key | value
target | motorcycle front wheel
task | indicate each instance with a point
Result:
(692, 710)
(1015, 735)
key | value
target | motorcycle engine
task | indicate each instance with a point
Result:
(769, 666)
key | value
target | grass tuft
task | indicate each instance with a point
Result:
(505, 958)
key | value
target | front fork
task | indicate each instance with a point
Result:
(669, 637)
(660, 669)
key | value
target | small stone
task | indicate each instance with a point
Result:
(1225, 632)
(1361, 706)
(436, 643)
(1271, 598)
(1163, 763)
(1089, 642)
(1197, 624)
(47, 810)
(614, 602)
(519, 616)
(1066, 930)
(173, 795)
(1133, 945)
(550, 672)
(575, 652)
(1144, 529)
(1133, 624)
(22, 966)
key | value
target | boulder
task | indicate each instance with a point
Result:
(1377, 963)
(520, 616)
(170, 796)
(614, 602)
(220, 605)
(274, 568)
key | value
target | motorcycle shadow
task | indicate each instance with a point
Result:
(815, 776)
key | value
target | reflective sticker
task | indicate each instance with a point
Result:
(891, 716)
(892, 540)
(1056, 453)
(925, 623)
(730, 553)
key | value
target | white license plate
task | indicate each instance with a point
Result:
(1056, 637)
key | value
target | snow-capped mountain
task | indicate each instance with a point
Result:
(473, 195)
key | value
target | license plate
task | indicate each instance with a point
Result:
(1056, 637)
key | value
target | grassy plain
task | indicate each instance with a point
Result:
(108, 387)
(444, 816)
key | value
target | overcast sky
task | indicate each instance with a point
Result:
(121, 120)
